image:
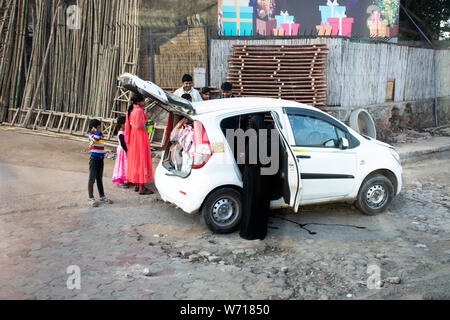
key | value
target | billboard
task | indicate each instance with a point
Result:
(348, 18)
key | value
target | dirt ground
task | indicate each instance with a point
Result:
(326, 252)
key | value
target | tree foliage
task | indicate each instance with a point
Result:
(389, 10)
(427, 14)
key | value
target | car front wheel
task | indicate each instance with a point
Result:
(222, 210)
(375, 195)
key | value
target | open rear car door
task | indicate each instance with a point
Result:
(187, 146)
(164, 99)
(292, 183)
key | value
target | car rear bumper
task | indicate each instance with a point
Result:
(189, 193)
(178, 191)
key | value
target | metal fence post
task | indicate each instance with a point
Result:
(207, 75)
(434, 65)
(152, 56)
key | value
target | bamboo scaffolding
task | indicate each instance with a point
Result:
(7, 76)
(70, 71)
(39, 81)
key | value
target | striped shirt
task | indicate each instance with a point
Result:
(96, 144)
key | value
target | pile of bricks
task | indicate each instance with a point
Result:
(291, 72)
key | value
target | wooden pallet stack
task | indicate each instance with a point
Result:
(291, 72)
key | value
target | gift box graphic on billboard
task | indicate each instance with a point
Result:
(383, 20)
(270, 24)
(290, 18)
(235, 18)
(334, 20)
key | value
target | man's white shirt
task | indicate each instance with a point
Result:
(193, 92)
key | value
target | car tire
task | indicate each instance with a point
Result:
(375, 195)
(222, 210)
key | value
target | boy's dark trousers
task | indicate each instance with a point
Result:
(96, 174)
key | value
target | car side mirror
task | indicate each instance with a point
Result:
(343, 143)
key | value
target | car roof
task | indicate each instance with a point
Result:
(233, 104)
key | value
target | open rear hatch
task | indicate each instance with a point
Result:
(188, 146)
(166, 100)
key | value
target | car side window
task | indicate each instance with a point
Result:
(312, 132)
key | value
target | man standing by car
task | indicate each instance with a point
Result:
(188, 89)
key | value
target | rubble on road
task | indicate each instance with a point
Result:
(393, 280)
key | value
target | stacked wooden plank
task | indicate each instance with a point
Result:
(292, 72)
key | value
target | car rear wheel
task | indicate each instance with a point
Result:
(222, 210)
(375, 195)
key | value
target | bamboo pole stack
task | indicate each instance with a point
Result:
(79, 74)
(12, 70)
(293, 72)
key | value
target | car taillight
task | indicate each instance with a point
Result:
(203, 151)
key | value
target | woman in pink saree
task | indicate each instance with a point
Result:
(139, 162)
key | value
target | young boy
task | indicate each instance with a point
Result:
(96, 163)
(187, 96)
(227, 90)
(206, 93)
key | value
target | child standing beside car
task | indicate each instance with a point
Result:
(96, 163)
(120, 168)
(187, 96)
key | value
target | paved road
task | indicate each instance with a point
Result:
(47, 226)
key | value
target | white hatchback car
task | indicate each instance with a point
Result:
(321, 159)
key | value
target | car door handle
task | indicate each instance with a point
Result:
(303, 157)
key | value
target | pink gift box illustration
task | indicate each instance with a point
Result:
(341, 26)
(265, 28)
(290, 29)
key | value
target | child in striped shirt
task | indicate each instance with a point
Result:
(96, 163)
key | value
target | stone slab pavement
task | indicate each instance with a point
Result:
(47, 226)
(410, 151)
